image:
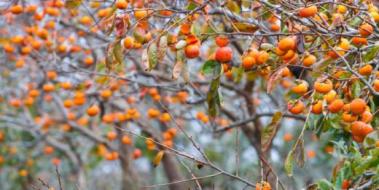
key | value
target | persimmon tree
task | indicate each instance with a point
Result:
(197, 94)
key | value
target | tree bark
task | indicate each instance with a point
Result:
(129, 178)
(173, 173)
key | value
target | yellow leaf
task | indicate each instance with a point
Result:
(158, 158)
(72, 4)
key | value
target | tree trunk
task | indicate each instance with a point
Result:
(129, 178)
(172, 172)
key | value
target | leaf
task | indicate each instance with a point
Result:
(180, 67)
(270, 131)
(185, 73)
(297, 154)
(72, 4)
(233, 6)
(325, 185)
(145, 59)
(158, 158)
(209, 67)
(245, 27)
(237, 74)
(152, 53)
(288, 164)
(371, 54)
(274, 78)
(120, 25)
(356, 89)
(109, 58)
(117, 52)
(180, 44)
(177, 69)
(162, 48)
(191, 6)
(213, 98)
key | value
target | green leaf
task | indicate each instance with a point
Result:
(237, 74)
(270, 131)
(288, 164)
(117, 52)
(371, 54)
(210, 66)
(356, 89)
(325, 185)
(152, 53)
(297, 154)
(213, 98)
(191, 6)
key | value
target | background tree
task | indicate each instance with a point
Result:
(197, 94)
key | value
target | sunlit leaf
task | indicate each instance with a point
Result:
(237, 74)
(270, 131)
(371, 54)
(117, 52)
(72, 4)
(152, 53)
(245, 27)
(158, 158)
(288, 164)
(233, 6)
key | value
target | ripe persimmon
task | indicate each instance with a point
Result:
(360, 128)
(366, 117)
(153, 113)
(16, 9)
(359, 41)
(93, 110)
(296, 108)
(121, 4)
(224, 54)
(192, 51)
(365, 70)
(263, 56)
(137, 153)
(49, 87)
(248, 62)
(347, 117)
(221, 41)
(286, 44)
(128, 42)
(366, 30)
(309, 60)
(126, 140)
(111, 135)
(317, 107)
(323, 87)
(287, 137)
(358, 106)
(308, 11)
(336, 105)
(301, 88)
(376, 85)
